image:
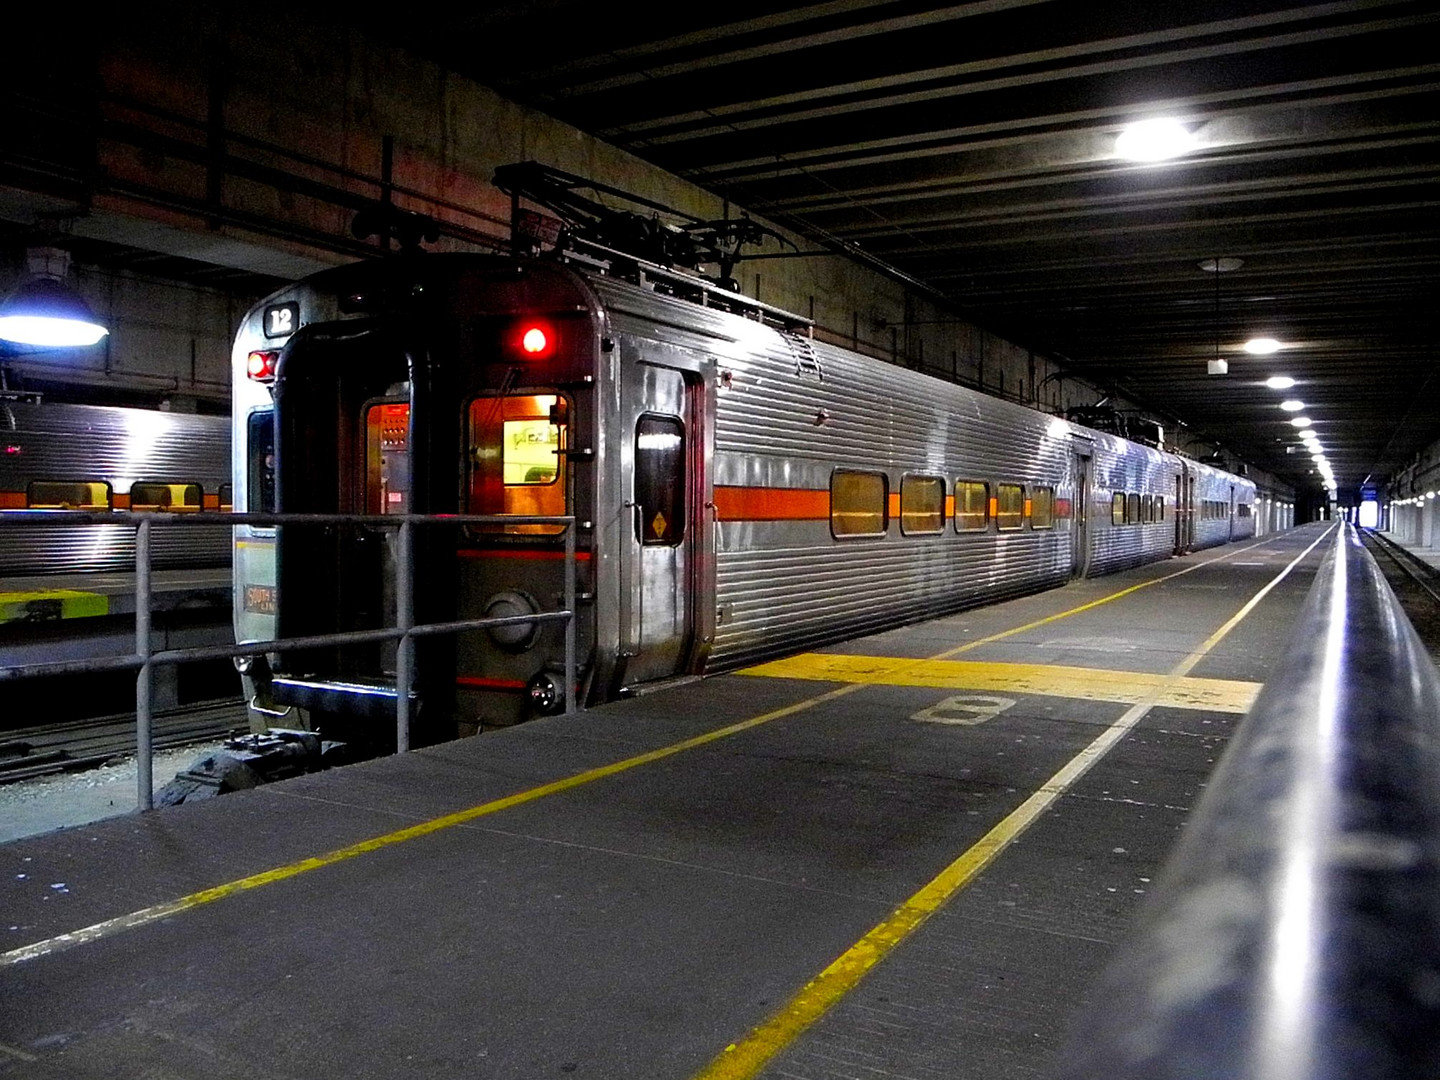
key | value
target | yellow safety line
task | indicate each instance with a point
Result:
(1051, 680)
(121, 923)
(744, 1059)
(268, 877)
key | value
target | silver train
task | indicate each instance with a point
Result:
(101, 459)
(742, 489)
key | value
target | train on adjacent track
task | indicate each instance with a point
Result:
(740, 488)
(101, 458)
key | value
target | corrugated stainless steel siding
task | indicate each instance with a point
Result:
(1121, 466)
(1213, 483)
(779, 423)
(785, 585)
(119, 446)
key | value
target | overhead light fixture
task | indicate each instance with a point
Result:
(1221, 265)
(1217, 366)
(1262, 346)
(44, 310)
(1300, 421)
(1293, 405)
(1159, 139)
(1280, 382)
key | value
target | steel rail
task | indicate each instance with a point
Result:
(1394, 551)
(1295, 932)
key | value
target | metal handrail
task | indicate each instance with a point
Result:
(1295, 932)
(144, 659)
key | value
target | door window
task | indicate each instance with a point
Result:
(260, 438)
(660, 479)
(387, 458)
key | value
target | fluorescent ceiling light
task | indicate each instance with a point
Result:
(1292, 405)
(1262, 346)
(1154, 140)
(1279, 382)
(1300, 421)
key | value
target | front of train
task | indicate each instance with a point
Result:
(414, 385)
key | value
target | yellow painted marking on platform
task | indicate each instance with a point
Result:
(1088, 684)
(145, 916)
(743, 1060)
(110, 927)
(15, 606)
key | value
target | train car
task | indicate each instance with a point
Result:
(1224, 506)
(86, 457)
(741, 488)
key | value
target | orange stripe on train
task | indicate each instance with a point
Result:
(771, 504)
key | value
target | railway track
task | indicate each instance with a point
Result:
(47, 749)
(1416, 585)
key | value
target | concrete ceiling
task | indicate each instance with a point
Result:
(972, 146)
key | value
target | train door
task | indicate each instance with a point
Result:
(1081, 516)
(659, 532)
(1184, 510)
(1180, 511)
(353, 435)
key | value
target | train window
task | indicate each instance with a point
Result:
(922, 505)
(1042, 508)
(1117, 508)
(859, 503)
(516, 443)
(260, 438)
(972, 505)
(1147, 508)
(67, 495)
(227, 497)
(1159, 507)
(387, 458)
(176, 498)
(660, 479)
(1132, 508)
(1009, 507)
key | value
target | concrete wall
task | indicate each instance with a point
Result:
(1410, 504)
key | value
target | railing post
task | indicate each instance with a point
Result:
(405, 647)
(570, 706)
(144, 765)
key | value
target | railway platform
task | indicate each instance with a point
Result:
(908, 855)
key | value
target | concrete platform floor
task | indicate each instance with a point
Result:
(839, 865)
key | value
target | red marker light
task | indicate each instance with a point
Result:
(261, 365)
(534, 341)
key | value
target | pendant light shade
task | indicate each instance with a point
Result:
(45, 311)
